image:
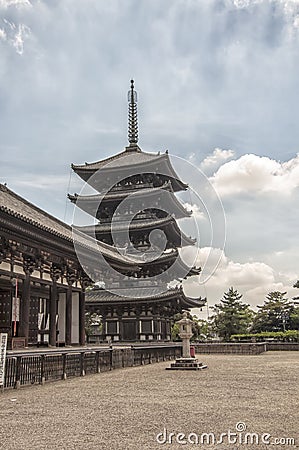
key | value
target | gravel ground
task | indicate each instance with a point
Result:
(127, 408)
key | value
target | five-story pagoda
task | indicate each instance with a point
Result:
(135, 210)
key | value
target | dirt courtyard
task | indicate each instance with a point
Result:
(139, 408)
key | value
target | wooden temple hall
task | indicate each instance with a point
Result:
(42, 285)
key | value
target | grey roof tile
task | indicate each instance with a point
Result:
(125, 158)
(16, 206)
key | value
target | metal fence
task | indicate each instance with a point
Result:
(41, 367)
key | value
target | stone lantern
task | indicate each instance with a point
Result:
(186, 362)
(185, 334)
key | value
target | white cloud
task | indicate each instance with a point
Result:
(262, 242)
(213, 161)
(254, 280)
(19, 38)
(2, 34)
(197, 212)
(289, 5)
(15, 35)
(254, 174)
(18, 3)
(11, 25)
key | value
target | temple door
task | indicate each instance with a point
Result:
(5, 312)
(33, 320)
(129, 330)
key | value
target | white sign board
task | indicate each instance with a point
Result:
(3, 346)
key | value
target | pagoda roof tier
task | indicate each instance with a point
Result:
(167, 224)
(28, 217)
(148, 196)
(131, 162)
(101, 297)
(168, 259)
(167, 266)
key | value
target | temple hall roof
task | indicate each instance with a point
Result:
(17, 207)
(99, 297)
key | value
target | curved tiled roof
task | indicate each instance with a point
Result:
(126, 158)
(124, 226)
(115, 195)
(90, 203)
(19, 208)
(101, 296)
(125, 164)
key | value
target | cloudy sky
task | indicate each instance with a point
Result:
(217, 84)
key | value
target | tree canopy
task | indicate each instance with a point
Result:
(231, 316)
(277, 314)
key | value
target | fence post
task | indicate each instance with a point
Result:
(98, 369)
(64, 374)
(82, 370)
(42, 369)
(111, 357)
(18, 372)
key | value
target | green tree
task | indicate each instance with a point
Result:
(276, 314)
(231, 316)
(295, 313)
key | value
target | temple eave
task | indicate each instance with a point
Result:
(101, 296)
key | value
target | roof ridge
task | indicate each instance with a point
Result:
(109, 158)
(112, 158)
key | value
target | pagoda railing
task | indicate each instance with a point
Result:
(121, 218)
(130, 186)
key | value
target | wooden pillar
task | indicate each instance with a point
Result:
(53, 313)
(104, 314)
(28, 266)
(25, 308)
(68, 315)
(56, 272)
(137, 324)
(82, 317)
(121, 325)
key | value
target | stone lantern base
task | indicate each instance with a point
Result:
(186, 364)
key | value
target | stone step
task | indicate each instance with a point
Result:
(186, 368)
(186, 364)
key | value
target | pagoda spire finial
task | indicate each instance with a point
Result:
(133, 122)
